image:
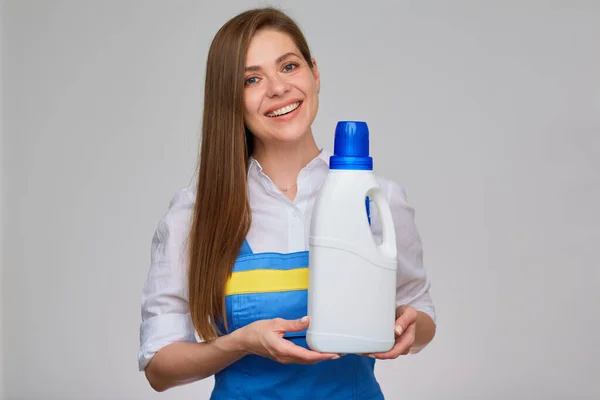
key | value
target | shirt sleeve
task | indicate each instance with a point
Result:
(164, 308)
(413, 284)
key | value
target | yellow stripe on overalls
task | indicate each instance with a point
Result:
(267, 280)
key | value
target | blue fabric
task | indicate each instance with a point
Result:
(256, 378)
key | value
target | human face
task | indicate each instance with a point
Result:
(280, 89)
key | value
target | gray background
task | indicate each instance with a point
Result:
(488, 113)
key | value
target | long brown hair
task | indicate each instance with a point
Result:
(222, 214)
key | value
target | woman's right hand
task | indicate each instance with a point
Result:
(265, 338)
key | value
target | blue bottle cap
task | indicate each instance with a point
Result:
(351, 146)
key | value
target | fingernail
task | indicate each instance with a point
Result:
(371, 356)
(304, 319)
(335, 357)
(399, 330)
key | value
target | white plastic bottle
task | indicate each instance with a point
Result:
(352, 279)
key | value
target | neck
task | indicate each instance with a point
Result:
(282, 162)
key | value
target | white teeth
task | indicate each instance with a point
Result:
(284, 110)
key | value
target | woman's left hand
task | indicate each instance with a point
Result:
(405, 334)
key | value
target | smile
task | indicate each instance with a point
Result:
(284, 110)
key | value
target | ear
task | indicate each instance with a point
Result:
(316, 74)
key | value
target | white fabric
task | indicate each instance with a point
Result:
(278, 225)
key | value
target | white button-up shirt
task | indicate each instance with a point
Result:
(278, 225)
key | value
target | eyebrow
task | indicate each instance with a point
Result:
(277, 61)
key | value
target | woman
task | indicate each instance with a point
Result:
(260, 170)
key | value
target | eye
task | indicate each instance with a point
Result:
(251, 80)
(290, 67)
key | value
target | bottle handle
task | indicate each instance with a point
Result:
(388, 246)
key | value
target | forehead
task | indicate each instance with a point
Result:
(267, 45)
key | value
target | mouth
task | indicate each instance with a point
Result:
(290, 108)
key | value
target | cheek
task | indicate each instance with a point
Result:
(251, 119)
(314, 104)
(251, 105)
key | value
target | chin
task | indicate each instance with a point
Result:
(290, 133)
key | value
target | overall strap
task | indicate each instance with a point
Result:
(246, 249)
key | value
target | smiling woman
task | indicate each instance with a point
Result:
(229, 259)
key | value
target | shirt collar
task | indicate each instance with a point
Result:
(319, 160)
(324, 156)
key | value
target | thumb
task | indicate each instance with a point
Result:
(296, 325)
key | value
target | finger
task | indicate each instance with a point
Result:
(296, 325)
(402, 345)
(280, 347)
(289, 350)
(301, 352)
(405, 320)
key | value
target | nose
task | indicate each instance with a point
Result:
(277, 87)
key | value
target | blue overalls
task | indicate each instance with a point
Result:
(271, 285)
